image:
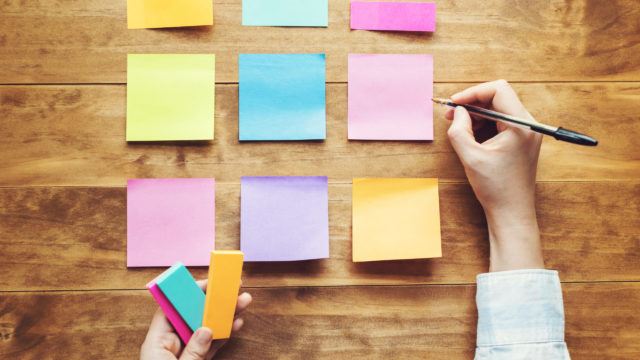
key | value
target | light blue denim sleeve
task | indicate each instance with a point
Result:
(520, 316)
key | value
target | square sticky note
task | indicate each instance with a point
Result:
(170, 220)
(170, 97)
(395, 219)
(285, 13)
(393, 16)
(282, 97)
(390, 97)
(284, 218)
(168, 13)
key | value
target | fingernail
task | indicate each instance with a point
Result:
(204, 336)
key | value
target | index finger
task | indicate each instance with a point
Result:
(481, 93)
(203, 284)
(499, 94)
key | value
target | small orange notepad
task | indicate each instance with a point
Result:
(225, 271)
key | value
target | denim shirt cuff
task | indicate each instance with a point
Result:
(518, 307)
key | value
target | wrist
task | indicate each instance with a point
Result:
(514, 239)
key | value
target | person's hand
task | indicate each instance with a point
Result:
(502, 172)
(162, 343)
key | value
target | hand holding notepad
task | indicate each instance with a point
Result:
(187, 308)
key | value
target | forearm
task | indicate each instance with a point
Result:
(514, 238)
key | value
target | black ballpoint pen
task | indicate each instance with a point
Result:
(557, 132)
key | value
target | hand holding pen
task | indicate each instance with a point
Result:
(558, 133)
(502, 172)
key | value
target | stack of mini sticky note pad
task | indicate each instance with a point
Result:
(185, 304)
(282, 97)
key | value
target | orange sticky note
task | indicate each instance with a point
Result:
(225, 271)
(395, 219)
(168, 13)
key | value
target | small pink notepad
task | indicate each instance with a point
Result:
(393, 16)
(170, 312)
(170, 220)
(390, 97)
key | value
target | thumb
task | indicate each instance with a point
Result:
(461, 133)
(198, 346)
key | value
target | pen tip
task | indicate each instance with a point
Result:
(438, 101)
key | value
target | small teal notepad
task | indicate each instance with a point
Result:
(183, 292)
(312, 13)
(282, 97)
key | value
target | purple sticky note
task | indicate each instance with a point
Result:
(284, 218)
(170, 220)
(393, 16)
(390, 97)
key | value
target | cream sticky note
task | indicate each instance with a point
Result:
(225, 271)
(168, 13)
(395, 219)
(285, 13)
(170, 97)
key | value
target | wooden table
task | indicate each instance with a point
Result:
(65, 291)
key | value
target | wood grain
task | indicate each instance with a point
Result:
(434, 322)
(86, 41)
(75, 238)
(65, 292)
(75, 135)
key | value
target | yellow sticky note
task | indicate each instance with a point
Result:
(395, 219)
(170, 97)
(225, 271)
(168, 13)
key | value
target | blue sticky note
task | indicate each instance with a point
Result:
(183, 292)
(282, 97)
(312, 13)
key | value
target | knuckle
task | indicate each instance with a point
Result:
(192, 353)
(473, 162)
(502, 83)
(453, 133)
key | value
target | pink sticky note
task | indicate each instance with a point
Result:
(170, 220)
(390, 97)
(170, 312)
(394, 16)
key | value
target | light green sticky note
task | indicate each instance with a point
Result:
(170, 97)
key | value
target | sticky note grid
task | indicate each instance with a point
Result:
(282, 97)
